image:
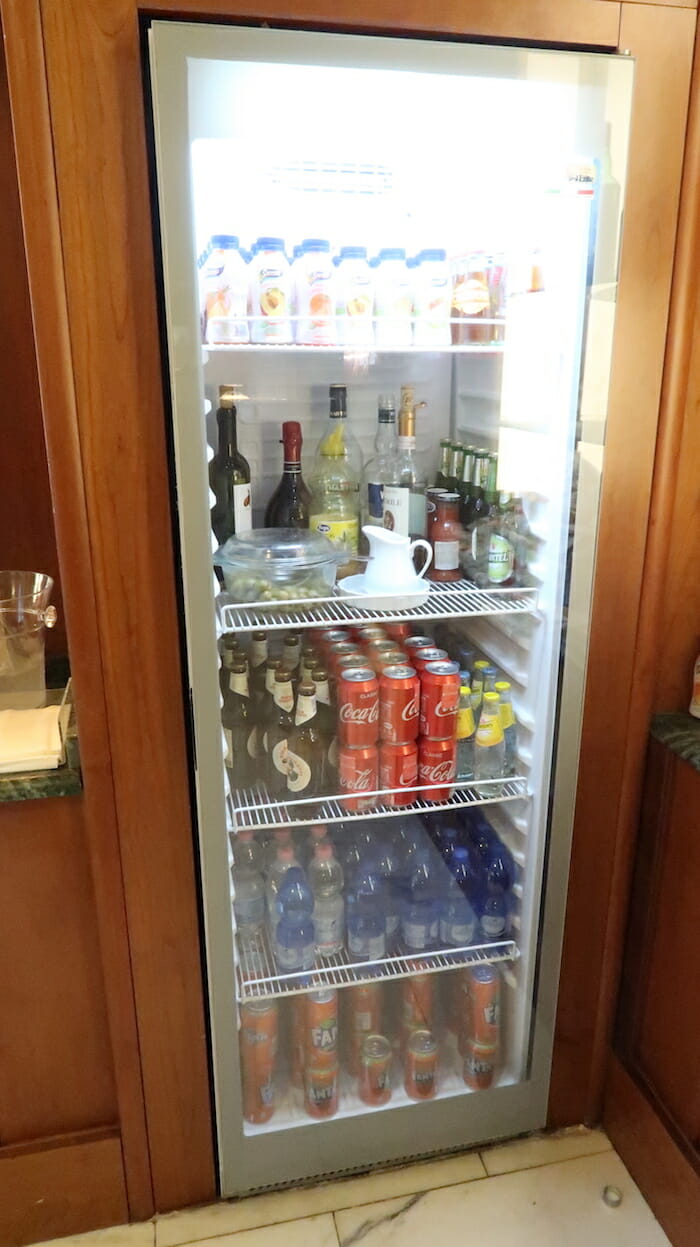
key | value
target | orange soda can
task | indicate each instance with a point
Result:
(416, 1004)
(298, 1037)
(321, 1028)
(321, 1091)
(364, 1002)
(420, 1065)
(484, 987)
(375, 1070)
(258, 1053)
(462, 1008)
(480, 1064)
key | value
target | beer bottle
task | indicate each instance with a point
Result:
(518, 532)
(465, 484)
(501, 555)
(230, 652)
(327, 721)
(306, 756)
(309, 660)
(443, 473)
(264, 712)
(256, 660)
(484, 525)
(291, 653)
(457, 453)
(236, 720)
(277, 733)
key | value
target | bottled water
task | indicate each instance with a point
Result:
(281, 839)
(489, 746)
(510, 731)
(294, 935)
(326, 883)
(421, 913)
(247, 854)
(494, 917)
(365, 915)
(458, 922)
(388, 868)
(465, 735)
(248, 889)
(284, 861)
(318, 834)
(467, 873)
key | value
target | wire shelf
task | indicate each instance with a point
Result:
(258, 977)
(252, 807)
(461, 598)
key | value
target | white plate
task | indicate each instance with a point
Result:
(353, 586)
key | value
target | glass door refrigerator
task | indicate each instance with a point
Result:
(358, 233)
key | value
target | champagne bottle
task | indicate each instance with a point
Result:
(289, 506)
(229, 475)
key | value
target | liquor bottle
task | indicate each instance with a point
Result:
(335, 482)
(236, 720)
(229, 475)
(289, 506)
(278, 731)
(404, 503)
(479, 484)
(306, 760)
(443, 473)
(291, 653)
(380, 470)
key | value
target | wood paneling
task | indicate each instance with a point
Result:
(61, 1186)
(31, 122)
(55, 1057)
(659, 1167)
(26, 521)
(613, 744)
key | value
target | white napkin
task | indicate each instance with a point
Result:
(30, 740)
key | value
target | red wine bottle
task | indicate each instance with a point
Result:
(290, 504)
(229, 475)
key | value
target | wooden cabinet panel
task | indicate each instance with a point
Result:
(55, 1056)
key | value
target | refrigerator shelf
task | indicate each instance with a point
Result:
(353, 351)
(252, 807)
(258, 977)
(459, 599)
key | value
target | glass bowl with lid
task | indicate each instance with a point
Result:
(277, 565)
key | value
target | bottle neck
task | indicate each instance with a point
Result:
(284, 695)
(306, 708)
(445, 452)
(270, 680)
(386, 437)
(228, 440)
(239, 683)
(258, 654)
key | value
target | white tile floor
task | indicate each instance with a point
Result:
(544, 1191)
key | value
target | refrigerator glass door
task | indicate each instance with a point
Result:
(375, 212)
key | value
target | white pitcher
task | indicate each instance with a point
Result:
(390, 565)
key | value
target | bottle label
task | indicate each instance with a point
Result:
(397, 509)
(500, 559)
(306, 709)
(375, 502)
(258, 654)
(298, 772)
(419, 935)
(228, 756)
(250, 912)
(329, 931)
(446, 555)
(343, 533)
(489, 731)
(367, 948)
(416, 514)
(298, 957)
(280, 755)
(465, 723)
(457, 934)
(238, 683)
(494, 926)
(507, 716)
(242, 508)
(323, 693)
(252, 743)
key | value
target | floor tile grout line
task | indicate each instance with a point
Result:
(221, 1233)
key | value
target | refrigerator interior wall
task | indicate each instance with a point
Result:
(311, 150)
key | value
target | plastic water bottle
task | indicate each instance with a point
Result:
(248, 888)
(510, 731)
(294, 935)
(421, 912)
(489, 746)
(493, 918)
(500, 869)
(326, 883)
(281, 839)
(388, 868)
(247, 854)
(366, 920)
(467, 873)
(318, 834)
(458, 922)
(284, 861)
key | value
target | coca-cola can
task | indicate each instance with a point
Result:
(399, 704)
(392, 658)
(370, 632)
(398, 770)
(358, 775)
(376, 649)
(424, 656)
(358, 707)
(437, 767)
(348, 662)
(439, 699)
(329, 636)
(413, 643)
(339, 649)
(398, 631)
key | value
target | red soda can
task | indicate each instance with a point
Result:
(413, 643)
(375, 649)
(439, 699)
(329, 636)
(391, 658)
(341, 649)
(399, 704)
(437, 767)
(424, 656)
(398, 769)
(398, 631)
(371, 632)
(358, 774)
(349, 662)
(358, 707)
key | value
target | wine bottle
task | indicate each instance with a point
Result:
(229, 475)
(289, 505)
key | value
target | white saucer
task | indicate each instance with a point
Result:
(405, 599)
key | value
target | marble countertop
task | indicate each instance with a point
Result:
(681, 734)
(63, 781)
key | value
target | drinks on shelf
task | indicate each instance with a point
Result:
(489, 745)
(277, 733)
(466, 730)
(270, 293)
(229, 475)
(225, 320)
(326, 882)
(314, 288)
(404, 504)
(237, 722)
(305, 762)
(249, 888)
(259, 1027)
(380, 470)
(335, 483)
(289, 506)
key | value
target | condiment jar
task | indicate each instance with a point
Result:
(445, 537)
